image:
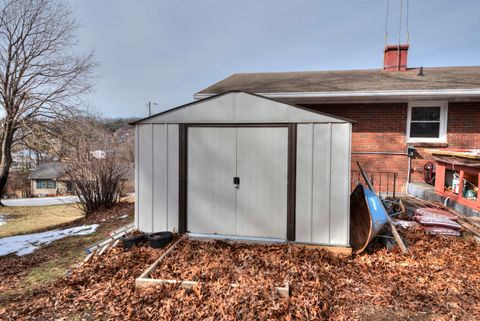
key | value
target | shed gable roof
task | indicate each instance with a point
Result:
(240, 107)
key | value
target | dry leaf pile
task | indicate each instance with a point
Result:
(438, 280)
(226, 262)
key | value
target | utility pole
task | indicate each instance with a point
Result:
(149, 105)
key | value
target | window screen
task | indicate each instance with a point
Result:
(425, 122)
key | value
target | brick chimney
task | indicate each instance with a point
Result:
(395, 58)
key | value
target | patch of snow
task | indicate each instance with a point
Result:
(3, 220)
(26, 244)
(123, 216)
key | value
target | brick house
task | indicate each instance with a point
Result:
(395, 108)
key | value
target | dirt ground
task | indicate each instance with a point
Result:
(23, 275)
(438, 280)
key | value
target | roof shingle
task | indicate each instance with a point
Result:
(435, 78)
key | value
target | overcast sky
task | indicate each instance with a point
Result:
(166, 50)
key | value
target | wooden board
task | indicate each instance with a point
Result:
(152, 267)
(142, 283)
(343, 250)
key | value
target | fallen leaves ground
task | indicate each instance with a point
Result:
(438, 280)
(19, 275)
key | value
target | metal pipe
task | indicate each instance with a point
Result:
(409, 168)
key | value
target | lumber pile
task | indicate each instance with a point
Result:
(436, 221)
(441, 212)
(110, 242)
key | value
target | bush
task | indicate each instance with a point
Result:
(98, 183)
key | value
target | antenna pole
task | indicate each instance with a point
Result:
(399, 35)
(408, 29)
(386, 23)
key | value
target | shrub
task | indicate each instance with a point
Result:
(98, 183)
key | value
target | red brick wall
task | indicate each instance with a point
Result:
(382, 128)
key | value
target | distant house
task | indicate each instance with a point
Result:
(98, 154)
(49, 179)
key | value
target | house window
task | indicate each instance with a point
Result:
(427, 122)
(46, 183)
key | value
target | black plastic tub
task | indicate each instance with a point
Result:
(130, 241)
(160, 239)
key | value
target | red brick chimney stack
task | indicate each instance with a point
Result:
(395, 58)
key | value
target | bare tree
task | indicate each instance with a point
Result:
(97, 182)
(68, 138)
(41, 78)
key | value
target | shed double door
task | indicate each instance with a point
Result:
(237, 181)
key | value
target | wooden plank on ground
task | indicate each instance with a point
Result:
(397, 236)
(141, 283)
(115, 243)
(343, 250)
(152, 267)
(88, 257)
(104, 249)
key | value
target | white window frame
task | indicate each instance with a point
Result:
(443, 121)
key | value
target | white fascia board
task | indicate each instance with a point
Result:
(366, 94)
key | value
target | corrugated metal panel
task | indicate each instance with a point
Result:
(145, 177)
(211, 167)
(262, 155)
(340, 184)
(172, 200)
(254, 109)
(322, 194)
(238, 107)
(160, 170)
(303, 206)
(210, 111)
(321, 183)
(137, 166)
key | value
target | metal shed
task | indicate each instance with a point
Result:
(239, 164)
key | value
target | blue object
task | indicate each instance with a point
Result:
(377, 211)
(367, 217)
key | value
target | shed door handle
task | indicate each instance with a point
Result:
(236, 181)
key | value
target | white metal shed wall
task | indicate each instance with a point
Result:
(156, 159)
(323, 183)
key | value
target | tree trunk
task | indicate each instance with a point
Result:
(6, 158)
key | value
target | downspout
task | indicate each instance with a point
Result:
(409, 168)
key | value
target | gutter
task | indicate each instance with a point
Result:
(365, 94)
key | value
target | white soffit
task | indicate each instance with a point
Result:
(240, 107)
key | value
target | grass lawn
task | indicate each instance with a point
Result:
(30, 219)
(22, 274)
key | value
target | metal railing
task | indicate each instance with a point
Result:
(384, 183)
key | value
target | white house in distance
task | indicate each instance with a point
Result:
(244, 166)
